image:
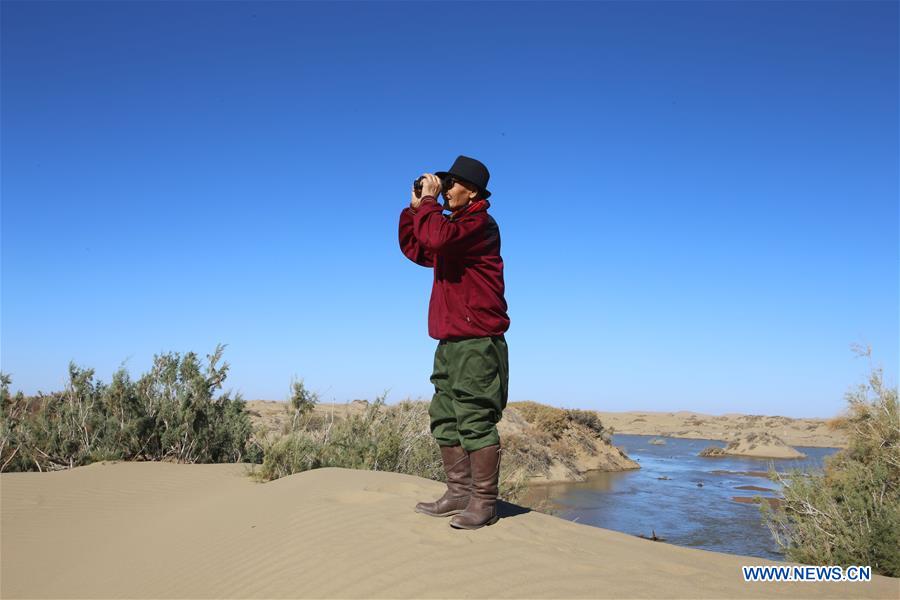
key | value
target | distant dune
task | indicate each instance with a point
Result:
(727, 427)
(162, 530)
(686, 424)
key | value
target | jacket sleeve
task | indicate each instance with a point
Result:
(441, 235)
(409, 245)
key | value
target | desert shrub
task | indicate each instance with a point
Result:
(169, 413)
(579, 438)
(55, 431)
(525, 408)
(384, 438)
(545, 418)
(298, 451)
(523, 458)
(311, 422)
(850, 513)
(713, 451)
(563, 450)
(523, 455)
(588, 419)
(395, 438)
(12, 412)
(555, 421)
(302, 403)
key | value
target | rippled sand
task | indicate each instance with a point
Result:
(162, 530)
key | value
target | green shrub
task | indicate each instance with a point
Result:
(169, 413)
(384, 438)
(293, 453)
(302, 403)
(12, 413)
(849, 514)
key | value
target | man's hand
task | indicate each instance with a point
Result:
(431, 186)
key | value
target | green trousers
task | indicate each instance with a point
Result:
(471, 382)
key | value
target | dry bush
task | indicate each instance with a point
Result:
(588, 419)
(523, 455)
(548, 419)
(584, 439)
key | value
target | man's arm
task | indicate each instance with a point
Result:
(409, 245)
(439, 234)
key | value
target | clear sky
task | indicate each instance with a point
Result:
(698, 201)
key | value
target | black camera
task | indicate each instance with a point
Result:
(417, 186)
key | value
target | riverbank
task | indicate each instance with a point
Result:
(162, 530)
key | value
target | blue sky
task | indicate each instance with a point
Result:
(698, 201)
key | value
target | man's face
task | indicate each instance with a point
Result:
(459, 195)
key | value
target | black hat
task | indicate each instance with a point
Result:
(471, 171)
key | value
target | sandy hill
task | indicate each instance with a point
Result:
(162, 530)
(755, 444)
(586, 452)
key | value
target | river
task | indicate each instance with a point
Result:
(679, 510)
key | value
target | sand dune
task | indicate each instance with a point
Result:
(755, 444)
(162, 530)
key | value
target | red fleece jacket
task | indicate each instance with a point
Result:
(464, 250)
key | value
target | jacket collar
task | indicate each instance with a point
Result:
(470, 208)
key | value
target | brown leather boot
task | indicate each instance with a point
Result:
(459, 483)
(482, 508)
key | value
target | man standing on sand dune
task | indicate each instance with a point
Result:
(467, 314)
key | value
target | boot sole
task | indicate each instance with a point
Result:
(446, 514)
(491, 522)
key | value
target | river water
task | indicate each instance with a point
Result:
(678, 509)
